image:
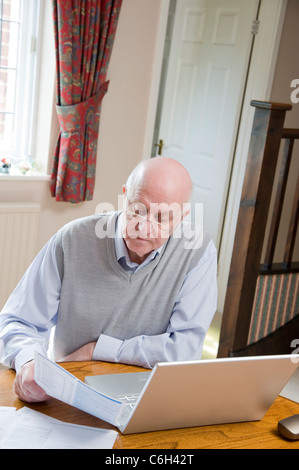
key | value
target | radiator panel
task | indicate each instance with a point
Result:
(19, 224)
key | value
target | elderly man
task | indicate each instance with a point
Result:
(121, 287)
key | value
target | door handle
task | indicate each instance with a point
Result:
(160, 146)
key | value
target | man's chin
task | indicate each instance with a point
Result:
(138, 245)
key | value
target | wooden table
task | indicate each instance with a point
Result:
(250, 435)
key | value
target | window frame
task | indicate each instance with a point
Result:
(26, 89)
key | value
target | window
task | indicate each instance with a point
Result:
(19, 26)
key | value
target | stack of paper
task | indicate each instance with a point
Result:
(29, 429)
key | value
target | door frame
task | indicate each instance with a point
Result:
(258, 87)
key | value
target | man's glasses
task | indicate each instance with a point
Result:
(159, 218)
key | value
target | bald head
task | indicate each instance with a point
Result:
(155, 196)
(164, 178)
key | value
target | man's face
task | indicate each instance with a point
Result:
(148, 223)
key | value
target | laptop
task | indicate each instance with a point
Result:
(197, 393)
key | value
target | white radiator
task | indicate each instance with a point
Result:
(19, 224)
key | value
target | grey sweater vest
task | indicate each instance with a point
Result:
(99, 296)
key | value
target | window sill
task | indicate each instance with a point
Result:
(34, 177)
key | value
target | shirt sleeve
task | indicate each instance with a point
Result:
(31, 310)
(191, 317)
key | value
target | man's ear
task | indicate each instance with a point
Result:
(124, 196)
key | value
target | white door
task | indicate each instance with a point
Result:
(204, 85)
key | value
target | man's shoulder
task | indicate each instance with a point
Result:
(87, 228)
(87, 223)
(191, 237)
(191, 243)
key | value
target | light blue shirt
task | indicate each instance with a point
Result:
(30, 313)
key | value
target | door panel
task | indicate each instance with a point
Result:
(207, 68)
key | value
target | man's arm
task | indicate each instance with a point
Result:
(30, 312)
(190, 320)
(26, 321)
(85, 353)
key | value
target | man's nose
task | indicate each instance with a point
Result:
(146, 228)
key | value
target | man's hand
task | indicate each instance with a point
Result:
(25, 386)
(82, 354)
(28, 390)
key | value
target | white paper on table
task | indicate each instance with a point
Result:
(34, 430)
(7, 417)
(58, 383)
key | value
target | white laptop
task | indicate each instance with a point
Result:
(197, 393)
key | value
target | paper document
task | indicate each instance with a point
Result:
(33, 430)
(58, 383)
(7, 415)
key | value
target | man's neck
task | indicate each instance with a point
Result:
(134, 257)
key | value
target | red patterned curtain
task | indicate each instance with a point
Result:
(84, 34)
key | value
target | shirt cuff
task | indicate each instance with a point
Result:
(107, 349)
(25, 355)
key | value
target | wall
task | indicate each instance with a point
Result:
(124, 121)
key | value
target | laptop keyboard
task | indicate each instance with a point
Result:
(128, 400)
